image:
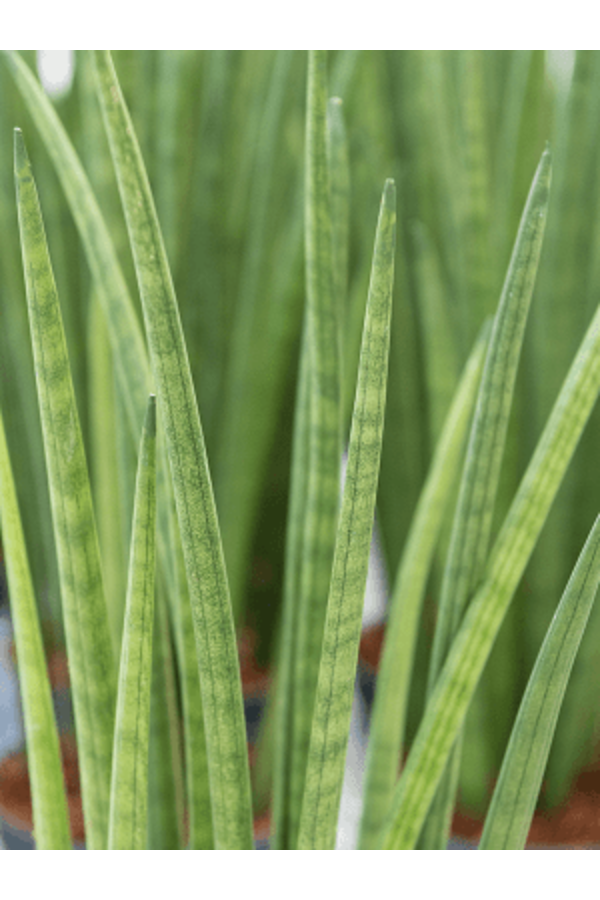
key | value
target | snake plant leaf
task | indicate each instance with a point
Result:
(91, 661)
(203, 553)
(512, 549)
(126, 336)
(393, 680)
(481, 473)
(513, 804)
(128, 826)
(325, 440)
(335, 689)
(50, 815)
(283, 821)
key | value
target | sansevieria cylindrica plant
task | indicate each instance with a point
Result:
(234, 277)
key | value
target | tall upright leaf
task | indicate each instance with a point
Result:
(91, 662)
(207, 580)
(127, 342)
(128, 826)
(518, 786)
(386, 733)
(337, 672)
(473, 518)
(50, 816)
(322, 500)
(512, 549)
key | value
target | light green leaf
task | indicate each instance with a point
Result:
(91, 662)
(128, 827)
(50, 816)
(456, 685)
(386, 733)
(513, 804)
(481, 473)
(337, 672)
(127, 341)
(126, 337)
(325, 439)
(207, 580)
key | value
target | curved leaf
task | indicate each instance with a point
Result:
(456, 685)
(50, 815)
(203, 553)
(513, 804)
(472, 524)
(386, 731)
(91, 662)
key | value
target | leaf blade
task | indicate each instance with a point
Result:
(128, 826)
(203, 553)
(335, 689)
(512, 549)
(50, 815)
(393, 679)
(85, 613)
(513, 803)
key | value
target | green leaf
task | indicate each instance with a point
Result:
(127, 341)
(456, 685)
(91, 663)
(513, 804)
(481, 474)
(337, 672)
(128, 828)
(325, 439)
(203, 553)
(126, 337)
(386, 731)
(50, 816)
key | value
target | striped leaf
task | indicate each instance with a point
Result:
(481, 474)
(335, 689)
(125, 334)
(325, 449)
(456, 685)
(386, 732)
(513, 804)
(205, 568)
(128, 827)
(50, 815)
(91, 662)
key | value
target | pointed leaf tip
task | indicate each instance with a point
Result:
(151, 416)
(21, 157)
(389, 194)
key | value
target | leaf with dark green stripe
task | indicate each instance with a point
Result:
(50, 815)
(456, 685)
(91, 662)
(207, 580)
(386, 732)
(128, 828)
(325, 440)
(513, 804)
(335, 689)
(127, 341)
(481, 474)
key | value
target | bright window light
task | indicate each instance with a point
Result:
(56, 70)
